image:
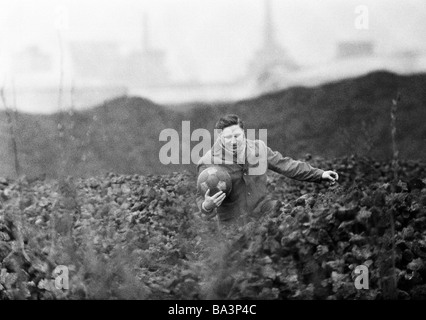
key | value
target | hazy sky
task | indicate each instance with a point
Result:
(214, 39)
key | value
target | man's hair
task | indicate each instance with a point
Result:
(229, 120)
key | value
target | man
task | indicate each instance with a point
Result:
(249, 195)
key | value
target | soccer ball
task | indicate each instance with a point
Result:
(216, 179)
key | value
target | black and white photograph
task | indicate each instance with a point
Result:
(213, 154)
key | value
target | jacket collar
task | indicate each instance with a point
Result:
(226, 156)
(219, 151)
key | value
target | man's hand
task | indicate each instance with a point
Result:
(330, 176)
(213, 202)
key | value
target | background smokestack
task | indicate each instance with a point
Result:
(145, 33)
(269, 34)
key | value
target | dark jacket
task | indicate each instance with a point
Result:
(249, 194)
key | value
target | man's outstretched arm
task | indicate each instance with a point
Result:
(294, 169)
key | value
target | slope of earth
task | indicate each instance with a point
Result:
(351, 116)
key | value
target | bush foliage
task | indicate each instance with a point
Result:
(141, 237)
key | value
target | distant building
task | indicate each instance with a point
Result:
(271, 63)
(351, 49)
(80, 77)
(95, 60)
(408, 60)
(103, 62)
(32, 60)
(146, 67)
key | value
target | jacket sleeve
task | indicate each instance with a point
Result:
(200, 197)
(293, 169)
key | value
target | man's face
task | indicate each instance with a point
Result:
(233, 137)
